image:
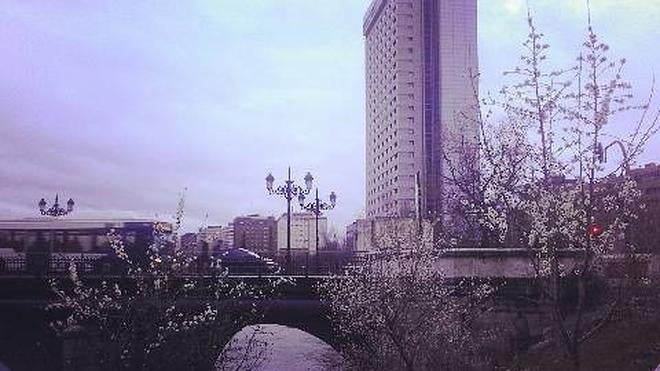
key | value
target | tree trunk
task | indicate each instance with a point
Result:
(575, 358)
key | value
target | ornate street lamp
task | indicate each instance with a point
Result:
(594, 229)
(39, 258)
(289, 191)
(316, 207)
(601, 153)
(55, 209)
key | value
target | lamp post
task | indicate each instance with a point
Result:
(595, 230)
(55, 209)
(316, 207)
(289, 190)
(40, 258)
(601, 152)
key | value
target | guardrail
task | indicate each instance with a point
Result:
(43, 265)
(21, 265)
(58, 265)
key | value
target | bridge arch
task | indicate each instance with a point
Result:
(309, 315)
(273, 346)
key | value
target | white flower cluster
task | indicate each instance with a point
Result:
(397, 311)
(145, 313)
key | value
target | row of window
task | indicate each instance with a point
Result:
(382, 93)
(62, 241)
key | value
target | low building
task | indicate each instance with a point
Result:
(365, 231)
(360, 235)
(303, 233)
(644, 230)
(210, 240)
(363, 235)
(351, 236)
(256, 233)
(227, 235)
(332, 240)
(189, 243)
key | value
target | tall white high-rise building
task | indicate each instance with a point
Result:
(421, 56)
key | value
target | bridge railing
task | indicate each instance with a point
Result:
(42, 265)
(59, 265)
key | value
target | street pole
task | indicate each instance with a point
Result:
(602, 154)
(54, 211)
(289, 190)
(288, 222)
(625, 171)
(317, 207)
(316, 216)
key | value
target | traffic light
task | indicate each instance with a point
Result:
(595, 230)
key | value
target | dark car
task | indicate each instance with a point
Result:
(243, 261)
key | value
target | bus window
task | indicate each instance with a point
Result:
(83, 242)
(72, 243)
(129, 237)
(18, 241)
(39, 239)
(102, 244)
(5, 239)
(57, 241)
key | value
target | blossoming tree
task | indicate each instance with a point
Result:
(157, 315)
(398, 312)
(542, 182)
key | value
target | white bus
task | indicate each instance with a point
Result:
(47, 244)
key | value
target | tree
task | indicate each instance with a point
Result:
(398, 312)
(157, 316)
(542, 182)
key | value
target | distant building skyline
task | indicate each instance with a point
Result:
(122, 105)
(420, 59)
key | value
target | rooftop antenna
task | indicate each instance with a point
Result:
(205, 222)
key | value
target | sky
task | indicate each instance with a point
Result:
(124, 105)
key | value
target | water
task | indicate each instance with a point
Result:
(272, 347)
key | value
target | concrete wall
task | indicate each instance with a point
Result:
(487, 262)
(509, 263)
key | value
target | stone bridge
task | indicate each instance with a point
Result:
(27, 342)
(24, 332)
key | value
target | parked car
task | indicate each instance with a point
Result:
(243, 261)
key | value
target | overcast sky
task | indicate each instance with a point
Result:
(123, 104)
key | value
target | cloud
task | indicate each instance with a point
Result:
(122, 105)
(514, 7)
